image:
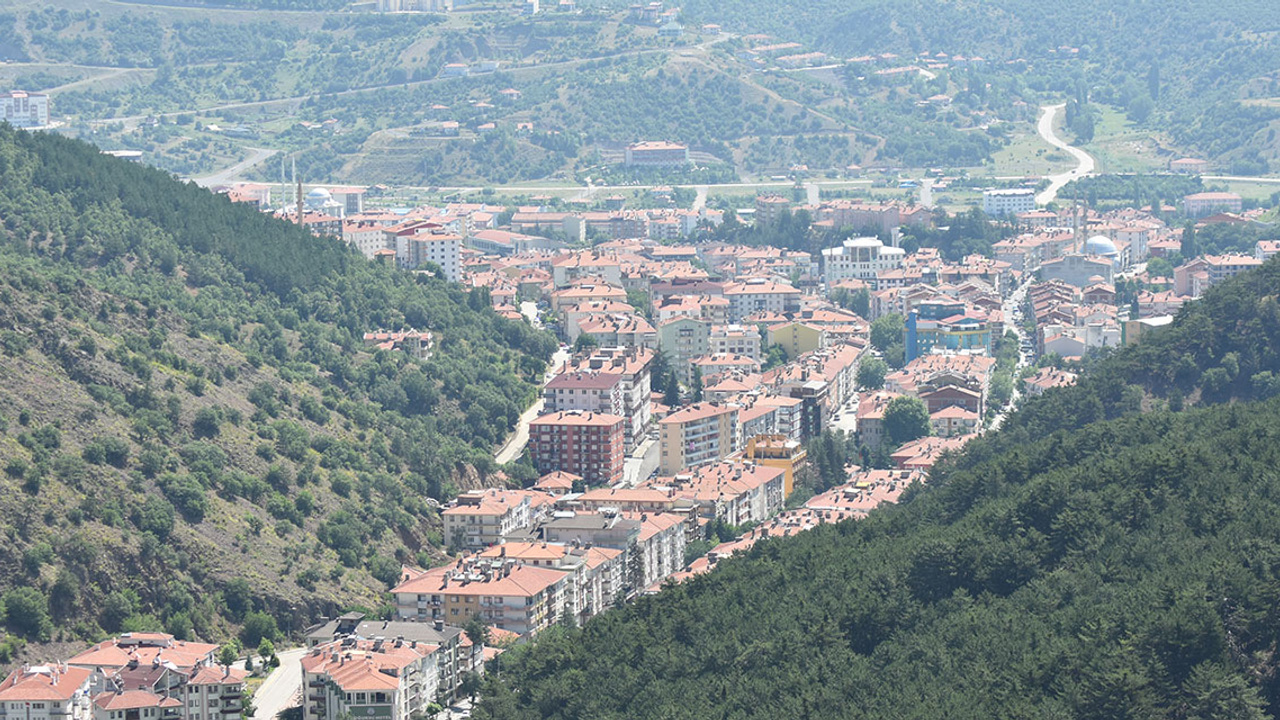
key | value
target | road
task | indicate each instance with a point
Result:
(1012, 310)
(514, 445)
(256, 157)
(1084, 161)
(641, 462)
(926, 192)
(282, 688)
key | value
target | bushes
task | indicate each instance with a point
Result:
(109, 450)
(27, 613)
(186, 494)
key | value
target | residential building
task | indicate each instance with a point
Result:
(480, 518)
(760, 295)
(504, 593)
(698, 434)
(684, 338)
(863, 258)
(378, 678)
(777, 451)
(1198, 205)
(23, 109)
(591, 391)
(1008, 202)
(734, 340)
(656, 153)
(419, 242)
(634, 368)
(797, 337)
(588, 444)
(733, 492)
(46, 692)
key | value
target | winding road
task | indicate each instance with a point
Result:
(1084, 160)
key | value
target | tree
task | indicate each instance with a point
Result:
(258, 626)
(886, 330)
(469, 685)
(695, 386)
(27, 613)
(477, 631)
(871, 372)
(585, 341)
(266, 650)
(228, 655)
(671, 392)
(905, 419)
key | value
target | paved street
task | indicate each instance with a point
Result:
(282, 688)
(641, 462)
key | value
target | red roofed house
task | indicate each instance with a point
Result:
(46, 692)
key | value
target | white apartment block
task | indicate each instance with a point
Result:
(862, 258)
(1007, 202)
(734, 340)
(23, 109)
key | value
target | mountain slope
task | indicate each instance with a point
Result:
(1073, 566)
(185, 400)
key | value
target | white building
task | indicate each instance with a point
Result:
(24, 109)
(862, 258)
(46, 692)
(1010, 201)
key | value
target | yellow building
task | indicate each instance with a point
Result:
(797, 338)
(777, 451)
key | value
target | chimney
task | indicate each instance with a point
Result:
(439, 625)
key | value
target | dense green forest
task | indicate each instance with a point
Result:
(185, 398)
(1111, 552)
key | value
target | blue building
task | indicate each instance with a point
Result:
(946, 324)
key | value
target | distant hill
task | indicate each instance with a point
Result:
(1101, 556)
(191, 428)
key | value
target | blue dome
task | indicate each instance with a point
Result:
(1100, 245)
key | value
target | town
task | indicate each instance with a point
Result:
(706, 395)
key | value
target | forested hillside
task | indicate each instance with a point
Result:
(185, 399)
(1100, 556)
(1180, 67)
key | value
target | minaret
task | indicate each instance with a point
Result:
(298, 195)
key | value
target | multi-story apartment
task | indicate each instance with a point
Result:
(684, 338)
(419, 242)
(152, 676)
(595, 573)
(1198, 205)
(24, 109)
(1008, 202)
(734, 492)
(46, 692)
(520, 598)
(698, 434)
(588, 444)
(734, 340)
(634, 367)
(482, 518)
(597, 392)
(656, 153)
(378, 678)
(862, 258)
(760, 295)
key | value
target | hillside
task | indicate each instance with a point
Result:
(185, 400)
(1089, 560)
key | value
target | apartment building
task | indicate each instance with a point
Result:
(862, 258)
(757, 295)
(589, 391)
(588, 444)
(595, 573)
(46, 692)
(684, 338)
(375, 678)
(1008, 202)
(656, 153)
(734, 340)
(634, 368)
(419, 242)
(1198, 205)
(696, 435)
(733, 492)
(521, 598)
(481, 518)
(23, 109)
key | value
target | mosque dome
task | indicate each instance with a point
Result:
(1100, 245)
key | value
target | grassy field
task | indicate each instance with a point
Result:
(1120, 147)
(1028, 154)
